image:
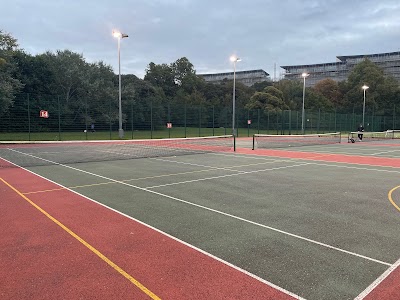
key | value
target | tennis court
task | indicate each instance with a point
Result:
(112, 220)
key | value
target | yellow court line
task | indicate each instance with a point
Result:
(391, 199)
(86, 244)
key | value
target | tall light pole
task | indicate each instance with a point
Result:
(304, 75)
(234, 59)
(119, 36)
(365, 88)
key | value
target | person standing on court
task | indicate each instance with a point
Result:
(92, 127)
(360, 129)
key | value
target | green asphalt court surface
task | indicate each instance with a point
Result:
(320, 230)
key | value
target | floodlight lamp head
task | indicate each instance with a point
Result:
(235, 58)
(304, 75)
(365, 87)
(117, 34)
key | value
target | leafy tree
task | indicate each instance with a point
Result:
(183, 71)
(260, 86)
(9, 86)
(8, 42)
(330, 89)
(292, 93)
(269, 100)
(162, 76)
(382, 93)
(315, 101)
(35, 73)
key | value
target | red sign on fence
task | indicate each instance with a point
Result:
(44, 114)
(169, 125)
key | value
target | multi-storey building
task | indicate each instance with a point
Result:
(340, 70)
(246, 77)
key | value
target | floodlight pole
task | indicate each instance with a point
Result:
(119, 36)
(304, 75)
(234, 59)
(365, 88)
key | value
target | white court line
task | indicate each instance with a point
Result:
(334, 164)
(231, 168)
(168, 235)
(193, 164)
(217, 212)
(223, 176)
(265, 170)
(383, 152)
(378, 281)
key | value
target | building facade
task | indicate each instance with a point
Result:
(340, 70)
(246, 77)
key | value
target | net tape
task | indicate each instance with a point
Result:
(284, 141)
(28, 154)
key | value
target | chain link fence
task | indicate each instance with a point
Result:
(77, 119)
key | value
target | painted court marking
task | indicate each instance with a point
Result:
(378, 281)
(391, 198)
(223, 176)
(86, 244)
(221, 213)
(169, 236)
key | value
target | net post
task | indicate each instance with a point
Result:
(254, 137)
(234, 143)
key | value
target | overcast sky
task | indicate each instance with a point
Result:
(261, 32)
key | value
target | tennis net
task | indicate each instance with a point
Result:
(284, 141)
(27, 154)
(373, 136)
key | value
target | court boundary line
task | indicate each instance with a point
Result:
(86, 244)
(219, 212)
(272, 285)
(378, 281)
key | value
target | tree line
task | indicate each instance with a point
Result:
(73, 85)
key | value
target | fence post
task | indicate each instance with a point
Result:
(29, 118)
(59, 118)
(213, 121)
(248, 125)
(200, 120)
(132, 119)
(169, 120)
(394, 116)
(373, 119)
(86, 118)
(185, 118)
(335, 119)
(151, 119)
(258, 121)
(319, 120)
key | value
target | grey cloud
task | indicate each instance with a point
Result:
(262, 32)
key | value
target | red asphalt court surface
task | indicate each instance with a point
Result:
(41, 260)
